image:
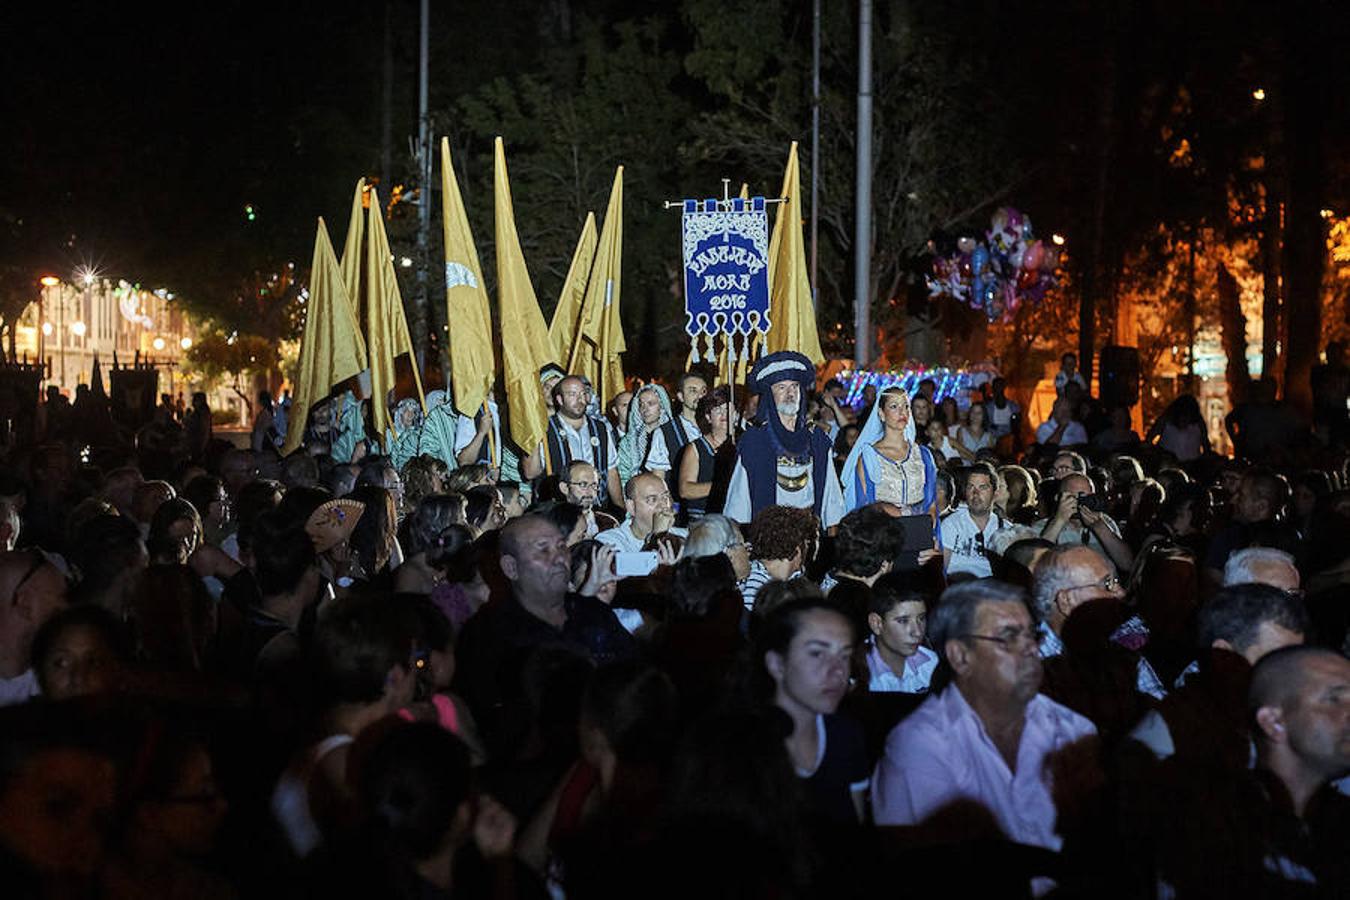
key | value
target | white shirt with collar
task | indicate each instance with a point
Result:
(1074, 433)
(659, 457)
(466, 429)
(961, 536)
(623, 539)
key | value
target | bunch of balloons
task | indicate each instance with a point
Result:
(997, 275)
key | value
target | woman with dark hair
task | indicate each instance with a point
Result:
(1181, 430)
(484, 508)
(375, 551)
(705, 470)
(1310, 490)
(420, 532)
(1021, 506)
(175, 532)
(207, 495)
(803, 651)
(461, 591)
(420, 822)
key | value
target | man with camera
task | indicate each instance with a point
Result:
(1079, 519)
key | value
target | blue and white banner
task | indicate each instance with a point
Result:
(726, 267)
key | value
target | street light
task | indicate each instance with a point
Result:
(186, 343)
(78, 329)
(158, 343)
(50, 281)
(1057, 240)
(47, 329)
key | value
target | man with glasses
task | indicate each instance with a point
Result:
(650, 511)
(1066, 578)
(985, 738)
(579, 485)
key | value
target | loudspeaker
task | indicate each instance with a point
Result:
(1118, 376)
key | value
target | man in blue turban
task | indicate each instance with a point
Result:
(785, 461)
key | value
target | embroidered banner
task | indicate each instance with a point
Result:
(726, 268)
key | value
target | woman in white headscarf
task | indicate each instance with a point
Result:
(649, 410)
(888, 465)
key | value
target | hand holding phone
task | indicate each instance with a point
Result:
(629, 564)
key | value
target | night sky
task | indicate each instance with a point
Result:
(134, 139)
(135, 134)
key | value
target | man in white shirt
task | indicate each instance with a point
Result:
(683, 428)
(969, 529)
(1061, 428)
(650, 511)
(989, 737)
(1068, 372)
(1075, 522)
(34, 590)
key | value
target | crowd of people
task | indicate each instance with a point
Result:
(779, 641)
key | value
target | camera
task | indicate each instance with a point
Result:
(1092, 502)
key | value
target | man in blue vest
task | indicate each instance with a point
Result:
(575, 435)
(785, 461)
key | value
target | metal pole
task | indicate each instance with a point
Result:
(815, 138)
(424, 157)
(862, 235)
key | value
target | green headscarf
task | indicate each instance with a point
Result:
(633, 446)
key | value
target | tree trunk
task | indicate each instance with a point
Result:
(1305, 239)
(1270, 284)
(1094, 274)
(1233, 328)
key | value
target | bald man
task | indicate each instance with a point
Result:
(1075, 523)
(32, 590)
(650, 511)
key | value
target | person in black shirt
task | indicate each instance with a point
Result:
(540, 613)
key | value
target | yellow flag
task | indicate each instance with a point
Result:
(331, 348)
(790, 307)
(472, 368)
(351, 248)
(525, 344)
(600, 341)
(562, 331)
(386, 325)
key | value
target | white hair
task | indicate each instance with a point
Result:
(1240, 567)
(1055, 572)
(709, 536)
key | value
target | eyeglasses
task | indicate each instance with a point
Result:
(1010, 639)
(1109, 583)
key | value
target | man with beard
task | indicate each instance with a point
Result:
(573, 434)
(784, 461)
(580, 485)
(978, 747)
